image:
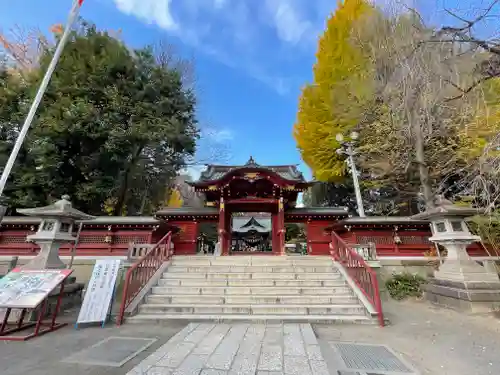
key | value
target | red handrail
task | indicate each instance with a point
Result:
(141, 272)
(360, 272)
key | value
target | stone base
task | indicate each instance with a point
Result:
(468, 297)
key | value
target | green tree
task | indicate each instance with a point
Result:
(114, 127)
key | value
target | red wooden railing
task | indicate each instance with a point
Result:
(141, 272)
(360, 272)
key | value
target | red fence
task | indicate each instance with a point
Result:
(90, 243)
(141, 272)
(411, 243)
(359, 271)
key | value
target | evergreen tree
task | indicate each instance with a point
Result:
(112, 130)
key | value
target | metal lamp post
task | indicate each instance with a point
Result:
(349, 150)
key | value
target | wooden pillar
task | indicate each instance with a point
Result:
(222, 227)
(227, 231)
(275, 239)
(281, 226)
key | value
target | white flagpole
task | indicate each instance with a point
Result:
(39, 95)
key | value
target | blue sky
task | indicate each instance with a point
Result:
(251, 58)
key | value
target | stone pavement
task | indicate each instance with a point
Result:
(44, 355)
(433, 340)
(237, 349)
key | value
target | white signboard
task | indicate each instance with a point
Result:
(99, 292)
(28, 288)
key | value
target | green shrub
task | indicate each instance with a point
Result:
(403, 285)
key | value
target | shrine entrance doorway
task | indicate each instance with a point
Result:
(251, 233)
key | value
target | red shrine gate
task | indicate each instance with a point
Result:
(230, 189)
(251, 188)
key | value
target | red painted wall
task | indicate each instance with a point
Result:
(318, 239)
(186, 240)
(91, 243)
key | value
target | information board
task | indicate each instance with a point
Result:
(99, 292)
(28, 288)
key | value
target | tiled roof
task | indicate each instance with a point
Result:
(246, 224)
(216, 172)
(339, 211)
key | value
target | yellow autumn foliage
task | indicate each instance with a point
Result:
(485, 125)
(175, 199)
(336, 99)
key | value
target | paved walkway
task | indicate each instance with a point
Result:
(237, 349)
(432, 340)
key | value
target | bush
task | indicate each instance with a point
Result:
(404, 285)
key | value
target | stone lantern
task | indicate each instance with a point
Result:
(460, 282)
(55, 229)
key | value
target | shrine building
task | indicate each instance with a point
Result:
(250, 205)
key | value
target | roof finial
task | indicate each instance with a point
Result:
(251, 161)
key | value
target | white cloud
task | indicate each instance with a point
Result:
(260, 38)
(151, 11)
(219, 135)
(220, 3)
(288, 20)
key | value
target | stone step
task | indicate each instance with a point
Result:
(208, 299)
(319, 319)
(255, 276)
(252, 260)
(253, 283)
(151, 308)
(250, 269)
(242, 290)
(241, 258)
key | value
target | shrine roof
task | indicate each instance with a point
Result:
(337, 211)
(173, 211)
(246, 224)
(382, 220)
(445, 208)
(217, 172)
(96, 220)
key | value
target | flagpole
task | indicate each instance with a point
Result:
(39, 95)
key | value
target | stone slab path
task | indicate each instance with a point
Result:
(237, 349)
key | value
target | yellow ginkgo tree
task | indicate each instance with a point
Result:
(336, 100)
(175, 198)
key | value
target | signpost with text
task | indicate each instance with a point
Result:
(100, 291)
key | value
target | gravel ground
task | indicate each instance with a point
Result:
(436, 341)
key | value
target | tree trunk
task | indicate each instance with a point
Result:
(122, 193)
(423, 169)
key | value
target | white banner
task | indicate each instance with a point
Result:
(99, 292)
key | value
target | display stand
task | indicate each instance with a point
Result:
(41, 326)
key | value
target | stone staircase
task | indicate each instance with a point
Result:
(252, 288)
